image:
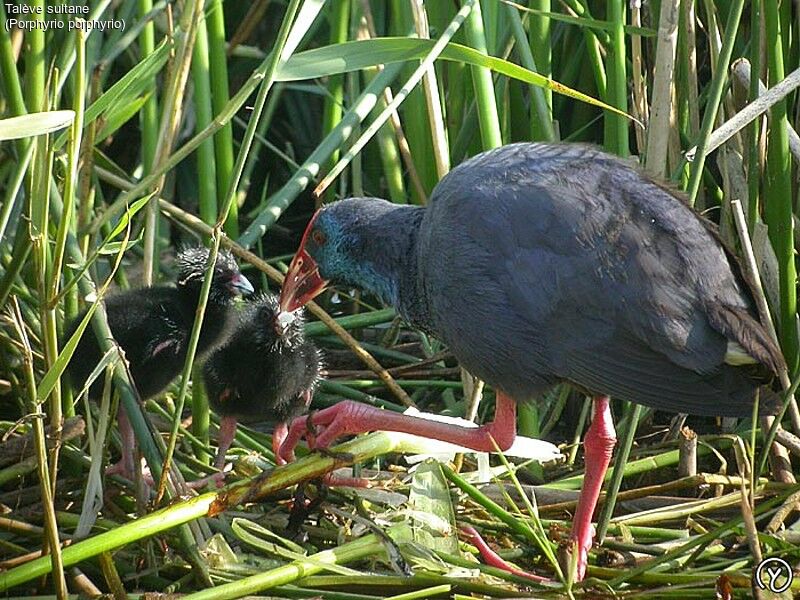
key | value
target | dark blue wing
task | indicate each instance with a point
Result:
(572, 265)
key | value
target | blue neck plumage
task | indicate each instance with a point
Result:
(375, 280)
(385, 252)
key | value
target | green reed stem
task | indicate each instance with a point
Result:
(332, 109)
(618, 472)
(540, 50)
(617, 95)
(488, 119)
(51, 541)
(714, 97)
(216, 236)
(223, 139)
(281, 200)
(209, 504)
(778, 211)
(368, 546)
(206, 162)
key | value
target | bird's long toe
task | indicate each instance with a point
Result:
(121, 469)
(126, 466)
(215, 479)
(279, 436)
(338, 420)
(493, 559)
(296, 431)
(320, 428)
(583, 546)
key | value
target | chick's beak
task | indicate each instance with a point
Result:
(239, 284)
(303, 282)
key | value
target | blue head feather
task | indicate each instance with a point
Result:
(366, 243)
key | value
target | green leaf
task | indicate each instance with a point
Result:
(352, 56)
(107, 243)
(125, 91)
(264, 540)
(114, 247)
(59, 366)
(127, 216)
(121, 114)
(433, 519)
(257, 536)
(34, 124)
(115, 46)
(584, 21)
(132, 84)
(102, 160)
(111, 357)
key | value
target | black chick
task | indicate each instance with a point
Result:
(266, 372)
(152, 326)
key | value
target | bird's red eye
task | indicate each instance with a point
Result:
(319, 237)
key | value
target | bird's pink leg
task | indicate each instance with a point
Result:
(349, 418)
(278, 438)
(225, 435)
(227, 431)
(306, 397)
(282, 430)
(127, 462)
(598, 445)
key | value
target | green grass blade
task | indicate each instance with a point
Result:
(34, 124)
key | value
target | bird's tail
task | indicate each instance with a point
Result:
(770, 402)
(743, 390)
(738, 325)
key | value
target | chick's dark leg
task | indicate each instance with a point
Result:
(349, 418)
(598, 446)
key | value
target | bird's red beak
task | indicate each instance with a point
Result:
(303, 281)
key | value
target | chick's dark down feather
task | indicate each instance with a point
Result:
(260, 374)
(152, 324)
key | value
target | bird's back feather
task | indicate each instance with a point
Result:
(544, 263)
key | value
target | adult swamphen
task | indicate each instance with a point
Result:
(266, 371)
(152, 325)
(539, 264)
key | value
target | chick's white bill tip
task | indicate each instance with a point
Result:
(285, 319)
